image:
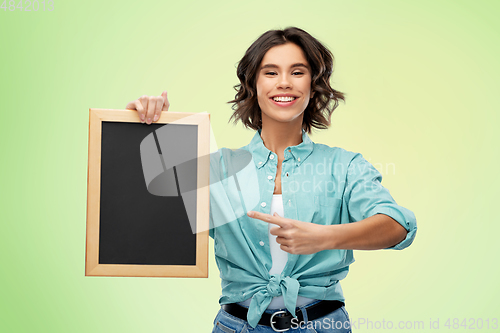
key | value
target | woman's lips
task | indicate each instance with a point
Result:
(283, 104)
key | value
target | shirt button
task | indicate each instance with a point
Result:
(260, 162)
(298, 159)
(271, 157)
(287, 174)
(263, 204)
(269, 177)
(261, 243)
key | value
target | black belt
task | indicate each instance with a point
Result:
(281, 320)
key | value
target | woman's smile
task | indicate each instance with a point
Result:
(283, 84)
(284, 100)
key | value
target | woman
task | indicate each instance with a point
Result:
(281, 263)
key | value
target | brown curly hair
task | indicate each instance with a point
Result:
(318, 112)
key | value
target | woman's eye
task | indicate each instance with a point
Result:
(294, 73)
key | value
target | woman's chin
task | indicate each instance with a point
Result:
(282, 121)
(283, 117)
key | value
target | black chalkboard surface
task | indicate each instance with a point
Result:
(148, 199)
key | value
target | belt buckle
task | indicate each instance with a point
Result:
(273, 322)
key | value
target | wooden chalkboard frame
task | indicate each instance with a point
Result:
(92, 265)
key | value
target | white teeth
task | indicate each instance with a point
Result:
(283, 99)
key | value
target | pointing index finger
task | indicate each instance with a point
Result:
(266, 217)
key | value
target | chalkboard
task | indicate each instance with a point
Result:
(148, 195)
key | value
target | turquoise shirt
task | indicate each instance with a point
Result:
(320, 184)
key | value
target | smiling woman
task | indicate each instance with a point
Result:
(285, 258)
(284, 92)
(278, 55)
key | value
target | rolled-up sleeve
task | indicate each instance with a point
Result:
(365, 196)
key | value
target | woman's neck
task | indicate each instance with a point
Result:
(278, 138)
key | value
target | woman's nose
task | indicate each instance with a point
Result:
(284, 82)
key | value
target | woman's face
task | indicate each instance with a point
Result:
(284, 84)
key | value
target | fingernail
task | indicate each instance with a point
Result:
(155, 118)
(250, 214)
(149, 120)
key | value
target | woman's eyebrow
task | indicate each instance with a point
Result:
(299, 64)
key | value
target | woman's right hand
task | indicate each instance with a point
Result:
(149, 107)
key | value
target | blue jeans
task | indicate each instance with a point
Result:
(336, 322)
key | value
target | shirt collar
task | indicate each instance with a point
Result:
(261, 154)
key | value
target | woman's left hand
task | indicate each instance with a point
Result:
(295, 236)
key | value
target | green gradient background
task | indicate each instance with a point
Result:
(421, 79)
